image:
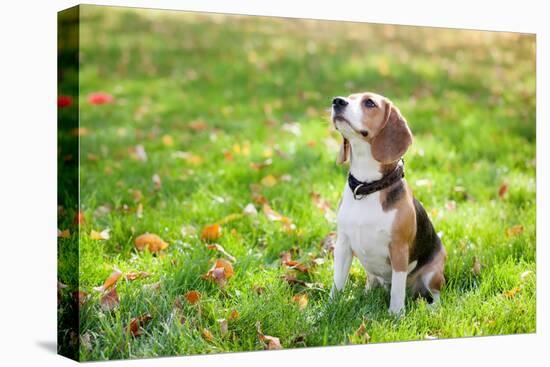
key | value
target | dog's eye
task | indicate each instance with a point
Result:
(369, 103)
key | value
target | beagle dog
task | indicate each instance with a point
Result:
(379, 220)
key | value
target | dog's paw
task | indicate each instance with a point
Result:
(397, 310)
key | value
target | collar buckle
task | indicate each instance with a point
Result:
(355, 196)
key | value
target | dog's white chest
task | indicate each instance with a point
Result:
(367, 228)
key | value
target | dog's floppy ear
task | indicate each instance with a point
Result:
(344, 153)
(394, 138)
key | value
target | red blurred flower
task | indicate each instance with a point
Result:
(100, 98)
(64, 101)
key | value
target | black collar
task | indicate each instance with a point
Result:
(362, 189)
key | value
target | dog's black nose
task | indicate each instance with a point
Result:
(339, 103)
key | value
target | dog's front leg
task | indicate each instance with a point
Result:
(399, 256)
(342, 262)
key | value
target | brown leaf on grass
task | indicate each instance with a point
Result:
(301, 300)
(192, 297)
(269, 342)
(361, 333)
(292, 280)
(198, 125)
(135, 327)
(287, 261)
(228, 156)
(224, 327)
(190, 158)
(157, 182)
(137, 195)
(476, 266)
(258, 289)
(323, 205)
(220, 272)
(207, 335)
(274, 216)
(234, 315)
(151, 242)
(220, 249)
(64, 233)
(131, 276)
(98, 236)
(79, 217)
(110, 281)
(211, 233)
(511, 293)
(514, 230)
(259, 198)
(110, 300)
(502, 190)
(328, 243)
(269, 181)
(259, 166)
(81, 297)
(167, 140)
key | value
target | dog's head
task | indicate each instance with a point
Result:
(374, 119)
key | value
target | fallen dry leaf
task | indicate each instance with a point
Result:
(211, 232)
(151, 242)
(79, 217)
(224, 327)
(269, 342)
(110, 300)
(220, 249)
(157, 182)
(514, 230)
(190, 158)
(301, 300)
(323, 205)
(362, 333)
(269, 181)
(98, 236)
(99, 98)
(259, 166)
(502, 190)
(135, 327)
(328, 243)
(198, 125)
(207, 334)
(292, 280)
(234, 315)
(274, 216)
(136, 275)
(167, 140)
(192, 297)
(110, 281)
(511, 293)
(220, 272)
(64, 233)
(476, 266)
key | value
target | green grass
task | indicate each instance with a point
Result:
(469, 98)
